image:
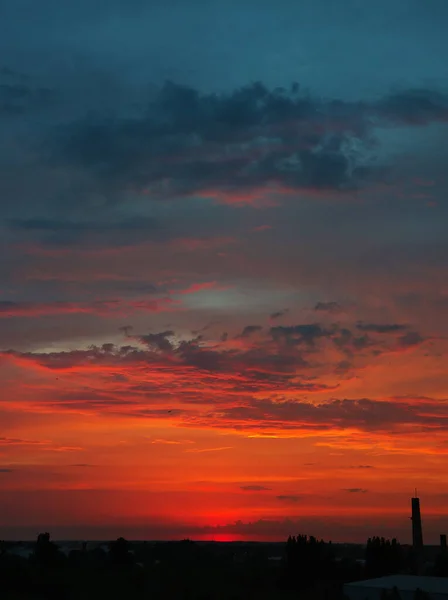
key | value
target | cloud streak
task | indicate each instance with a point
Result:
(289, 498)
(102, 308)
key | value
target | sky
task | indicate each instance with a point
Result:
(223, 268)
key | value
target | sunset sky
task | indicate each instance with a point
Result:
(223, 268)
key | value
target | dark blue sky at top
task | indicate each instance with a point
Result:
(348, 49)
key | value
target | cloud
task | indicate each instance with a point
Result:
(381, 328)
(330, 307)
(262, 228)
(412, 338)
(418, 106)
(299, 334)
(58, 232)
(46, 445)
(259, 367)
(201, 450)
(218, 145)
(361, 414)
(361, 467)
(178, 146)
(4, 470)
(354, 490)
(199, 287)
(278, 314)
(4, 441)
(171, 442)
(254, 488)
(102, 308)
(309, 335)
(263, 385)
(277, 384)
(82, 227)
(249, 330)
(19, 98)
(289, 498)
(158, 341)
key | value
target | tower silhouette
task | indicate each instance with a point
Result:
(417, 533)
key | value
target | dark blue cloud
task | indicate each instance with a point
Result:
(19, 96)
(187, 142)
(103, 230)
(331, 307)
(299, 334)
(414, 107)
(249, 330)
(381, 328)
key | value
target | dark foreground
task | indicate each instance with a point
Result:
(302, 567)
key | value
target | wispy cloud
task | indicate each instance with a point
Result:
(200, 450)
(171, 442)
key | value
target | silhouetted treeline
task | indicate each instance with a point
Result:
(196, 571)
(383, 557)
(308, 560)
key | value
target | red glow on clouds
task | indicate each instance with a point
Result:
(103, 308)
(199, 287)
(259, 198)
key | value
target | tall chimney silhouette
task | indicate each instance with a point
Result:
(443, 540)
(417, 533)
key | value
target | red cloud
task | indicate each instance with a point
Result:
(261, 197)
(261, 386)
(103, 308)
(262, 228)
(199, 287)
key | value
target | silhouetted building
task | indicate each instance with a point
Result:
(417, 533)
(398, 586)
(443, 540)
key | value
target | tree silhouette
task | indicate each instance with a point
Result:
(307, 559)
(46, 552)
(120, 553)
(420, 595)
(383, 557)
